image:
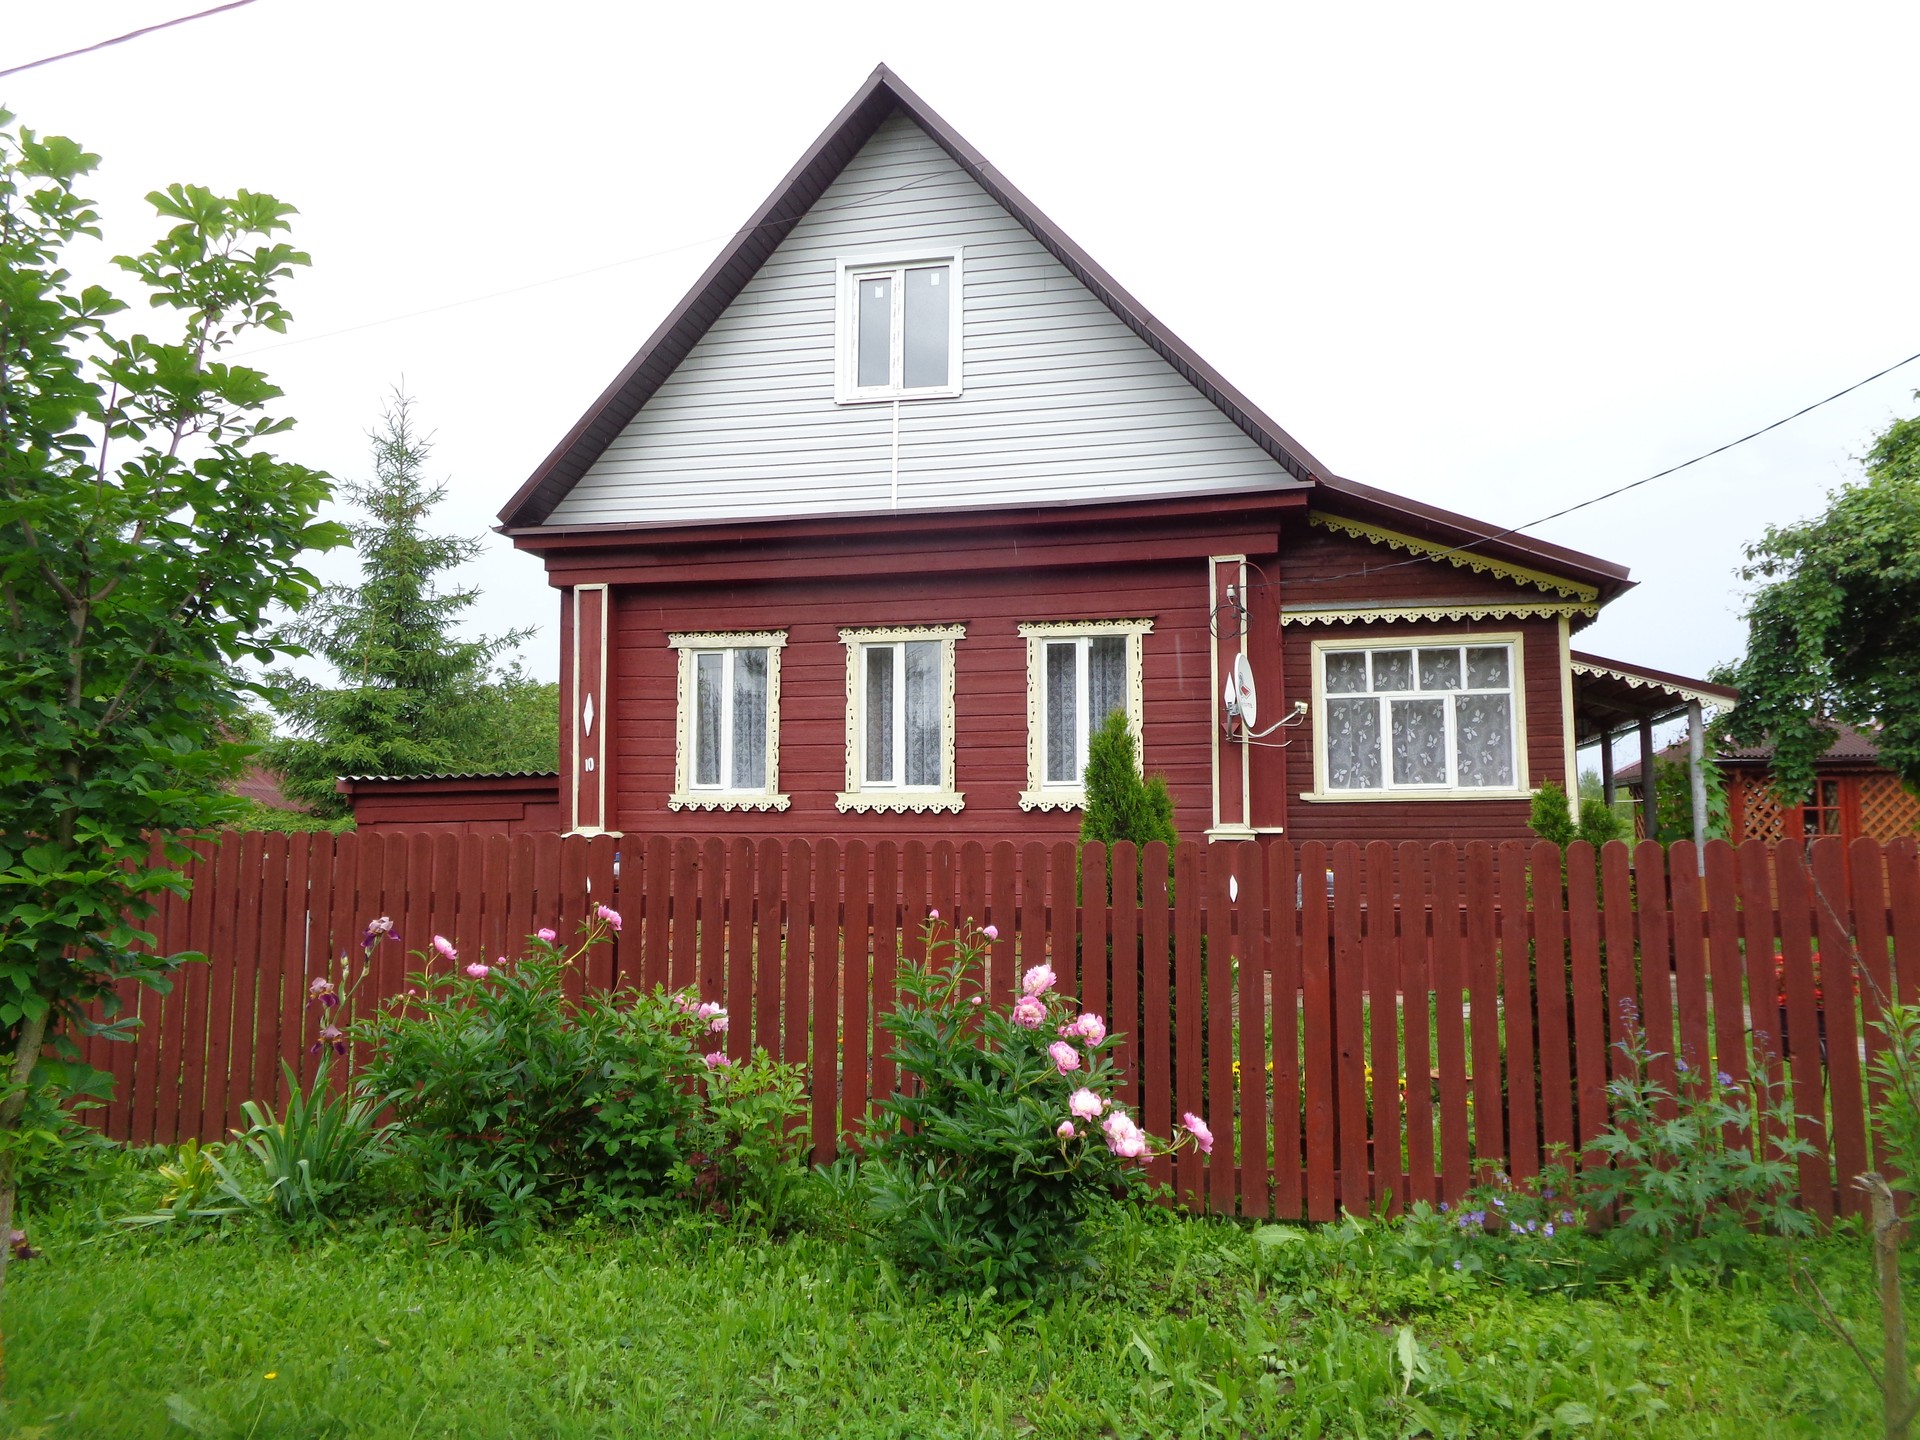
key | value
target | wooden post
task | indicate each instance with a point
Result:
(1696, 772)
(1649, 788)
(1606, 767)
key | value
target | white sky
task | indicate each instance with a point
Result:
(1496, 258)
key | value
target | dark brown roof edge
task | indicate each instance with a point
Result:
(1476, 536)
(881, 94)
(1663, 677)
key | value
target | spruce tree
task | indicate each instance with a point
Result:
(411, 697)
(1120, 805)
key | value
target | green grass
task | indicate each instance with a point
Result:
(684, 1327)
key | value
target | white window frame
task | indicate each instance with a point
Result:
(1517, 672)
(921, 799)
(688, 796)
(850, 270)
(1041, 794)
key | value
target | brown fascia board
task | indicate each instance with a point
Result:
(1344, 496)
(879, 97)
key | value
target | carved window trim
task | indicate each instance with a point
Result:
(919, 800)
(684, 796)
(1039, 795)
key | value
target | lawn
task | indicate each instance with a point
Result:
(685, 1326)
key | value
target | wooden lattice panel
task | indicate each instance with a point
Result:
(1763, 817)
(1888, 809)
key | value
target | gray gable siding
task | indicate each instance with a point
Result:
(1062, 403)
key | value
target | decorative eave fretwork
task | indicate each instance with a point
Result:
(1443, 610)
(1459, 557)
(1718, 699)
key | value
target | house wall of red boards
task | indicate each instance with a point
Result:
(993, 580)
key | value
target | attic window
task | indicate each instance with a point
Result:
(899, 327)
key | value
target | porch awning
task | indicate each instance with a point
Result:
(1609, 696)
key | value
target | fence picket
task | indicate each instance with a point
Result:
(1156, 1019)
(855, 987)
(1381, 956)
(1217, 1106)
(1876, 986)
(1003, 911)
(1189, 880)
(1316, 989)
(1416, 986)
(886, 959)
(1125, 976)
(1483, 981)
(769, 943)
(739, 992)
(1550, 987)
(824, 1074)
(1450, 1000)
(1255, 968)
(1841, 1050)
(1289, 1169)
(798, 967)
(1589, 996)
(1803, 1026)
(1349, 1030)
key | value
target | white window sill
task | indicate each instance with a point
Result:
(929, 393)
(1373, 797)
(727, 800)
(920, 802)
(1054, 798)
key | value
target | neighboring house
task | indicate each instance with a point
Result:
(907, 494)
(1853, 794)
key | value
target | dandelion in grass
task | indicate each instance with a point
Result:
(1066, 1059)
(1029, 1012)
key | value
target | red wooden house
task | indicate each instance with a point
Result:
(908, 493)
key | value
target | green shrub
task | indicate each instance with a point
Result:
(1896, 1118)
(1120, 805)
(983, 1166)
(512, 1101)
(312, 1154)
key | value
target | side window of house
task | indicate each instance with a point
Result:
(1078, 673)
(899, 328)
(1438, 718)
(900, 718)
(727, 742)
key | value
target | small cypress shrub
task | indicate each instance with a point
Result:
(1120, 804)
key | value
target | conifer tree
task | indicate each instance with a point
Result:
(1120, 804)
(412, 698)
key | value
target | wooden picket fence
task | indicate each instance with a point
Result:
(1361, 1026)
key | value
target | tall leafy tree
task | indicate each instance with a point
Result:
(145, 533)
(1833, 631)
(412, 697)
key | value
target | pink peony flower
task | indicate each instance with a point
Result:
(1092, 1029)
(974, 1001)
(1066, 1130)
(1038, 980)
(717, 1060)
(610, 915)
(445, 947)
(992, 932)
(1124, 1138)
(546, 934)
(1087, 1105)
(1029, 1011)
(1065, 1057)
(1197, 1128)
(933, 914)
(479, 971)
(712, 1012)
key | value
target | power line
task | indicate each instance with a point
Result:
(1606, 495)
(122, 39)
(592, 270)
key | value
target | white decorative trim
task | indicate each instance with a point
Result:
(1570, 750)
(1449, 611)
(688, 644)
(1647, 682)
(589, 756)
(1039, 795)
(1522, 787)
(918, 800)
(1456, 555)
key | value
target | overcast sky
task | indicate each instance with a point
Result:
(1496, 258)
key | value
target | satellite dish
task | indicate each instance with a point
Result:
(1249, 703)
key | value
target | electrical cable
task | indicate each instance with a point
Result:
(122, 39)
(1466, 549)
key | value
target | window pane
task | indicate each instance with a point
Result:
(1483, 737)
(1106, 678)
(1487, 667)
(1353, 744)
(923, 712)
(1392, 669)
(879, 714)
(1439, 669)
(929, 310)
(1419, 742)
(876, 330)
(1346, 672)
(1062, 722)
(706, 718)
(749, 719)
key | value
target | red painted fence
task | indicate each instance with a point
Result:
(1361, 1027)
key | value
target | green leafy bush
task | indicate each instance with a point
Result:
(984, 1164)
(1896, 1118)
(1551, 818)
(306, 1158)
(1685, 1184)
(1529, 1232)
(512, 1100)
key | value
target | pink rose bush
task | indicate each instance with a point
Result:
(1003, 1136)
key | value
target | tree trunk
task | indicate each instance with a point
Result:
(1896, 1410)
(26, 1054)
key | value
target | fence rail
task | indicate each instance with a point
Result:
(1361, 1026)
